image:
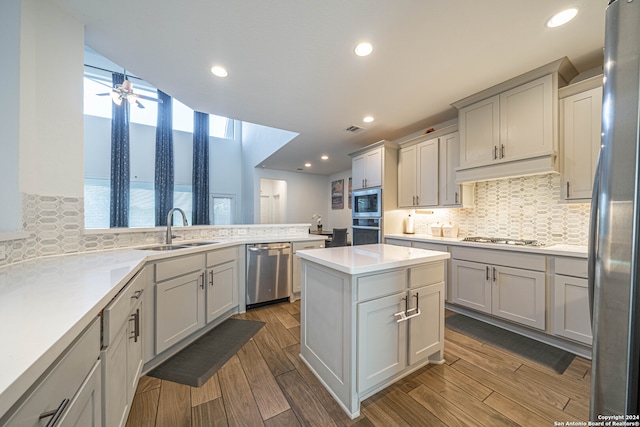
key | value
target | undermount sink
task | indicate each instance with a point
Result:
(163, 248)
(186, 244)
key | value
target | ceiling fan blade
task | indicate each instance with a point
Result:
(148, 98)
(139, 104)
(103, 94)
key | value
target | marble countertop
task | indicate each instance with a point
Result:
(47, 302)
(552, 250)
(370, 258)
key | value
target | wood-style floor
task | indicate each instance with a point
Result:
(266, 384)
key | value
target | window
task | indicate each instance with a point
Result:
(97, 106)
(222, 209)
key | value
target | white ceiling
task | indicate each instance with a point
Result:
(291, 63)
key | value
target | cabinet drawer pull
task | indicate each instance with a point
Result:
(55, 414)
(137, 294)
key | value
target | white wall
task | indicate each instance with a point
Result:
(9, 115)
(50, 102)
(306, 194)
(339, 218)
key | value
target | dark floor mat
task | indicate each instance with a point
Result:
(197, 362)
(539, 352)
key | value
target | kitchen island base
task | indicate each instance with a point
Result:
(363, 331)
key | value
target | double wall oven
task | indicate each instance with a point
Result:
(367, 216)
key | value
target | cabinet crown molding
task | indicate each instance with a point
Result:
(562, 68)
(382, 143)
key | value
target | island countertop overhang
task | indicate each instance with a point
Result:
(362, 259)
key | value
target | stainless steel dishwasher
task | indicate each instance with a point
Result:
(268, 273)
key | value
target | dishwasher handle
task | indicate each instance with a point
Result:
(268, 248)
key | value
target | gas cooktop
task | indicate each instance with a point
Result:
(503, 241)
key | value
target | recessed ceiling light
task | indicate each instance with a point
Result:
(367, 119)
(307, 165)
(219, 71)
(363, 49)
(562, 18)
(325, 157)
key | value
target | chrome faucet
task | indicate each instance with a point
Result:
(170, 236)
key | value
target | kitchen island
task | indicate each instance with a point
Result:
(370, 315)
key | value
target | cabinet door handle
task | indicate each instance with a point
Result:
(210, 277)
(202, 280)
(494, 274)
(456, 197)
(406, 304)
(417, 295)
(502, 151)
(495, 152)
(567, 189)
(55, 414)
(136, 325)
(137, 294)
(417, 200)
(487, 272)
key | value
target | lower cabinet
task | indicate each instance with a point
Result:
(121, 353)
(222, 282)
(71, 391)
(571, 318)
(516, 292)
(295, 278)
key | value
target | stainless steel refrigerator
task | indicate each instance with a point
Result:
(615, 222)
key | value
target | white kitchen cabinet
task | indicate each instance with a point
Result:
(471, 286)
(295, 265)
(580, 133)
(71, 388)
(452, 194)
(121, 353)
(515, 291)
(571, 317)
(511, 129)
(222, 282)
(382, 342)
(418, 175)
(479, 126)
(180, 299)
(386, 347)
(367, 169)
(447, 263)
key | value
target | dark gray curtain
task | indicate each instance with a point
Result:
(164, 176)
(119, 205)
(200, 181)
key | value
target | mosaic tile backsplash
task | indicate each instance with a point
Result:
(55, 226)
(517, 208)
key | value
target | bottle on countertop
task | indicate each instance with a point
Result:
(408, 225)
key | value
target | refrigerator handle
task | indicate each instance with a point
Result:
(593, 232)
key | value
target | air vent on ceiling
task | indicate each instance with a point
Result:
(354, 129)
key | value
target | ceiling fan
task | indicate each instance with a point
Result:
(124, 92)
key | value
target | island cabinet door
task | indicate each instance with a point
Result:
(382, 341)
(426, 331)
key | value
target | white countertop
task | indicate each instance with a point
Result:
(370, 258)
(552, 250)
(46, 303)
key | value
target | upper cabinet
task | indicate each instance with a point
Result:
(418, 174)
(426, 172)
(511, 129)
(367, 169)
(580, 136)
